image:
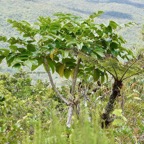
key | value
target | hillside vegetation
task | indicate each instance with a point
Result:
(102, 101)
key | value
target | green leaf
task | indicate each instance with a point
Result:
(118, 122)
(34, 67)
(13, 41)
(117, 112)
(17, 65)
(13, 48)
(129, 24)
(94, 15)
(113, 24)
(10, 58)
(65, 54)
(1, 58)
(52, 65)
(3, 38)
(4, 52)
(122, 40)
(71, 43)
(73, 37)
(67, 73)
(106, 76)
(35, 64)
(114, 45)
(96, 74)
(99, 51)
(16, 61)
(31, 47)
(108, 29)
(22, 50)
(61, 70)
(102, 78)
(68, 60)
(100, 33)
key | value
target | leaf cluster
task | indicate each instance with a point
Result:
(63, 39)
(122, 71)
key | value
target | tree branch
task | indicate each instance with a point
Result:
(133, 74)
(128, 69)
(46, 66)
(75, 77)
(115, 72)
(108, 71)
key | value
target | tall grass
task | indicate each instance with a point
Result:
(82, 131)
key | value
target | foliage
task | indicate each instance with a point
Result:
(41, 118)
(34, 118)
(73, 47)
(19, 85)
(81, 132)
(61, 39)
(64, 44)
(20, 113)
(119, 72)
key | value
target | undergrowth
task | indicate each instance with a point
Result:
(34, 115)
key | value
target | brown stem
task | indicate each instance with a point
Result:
(46, 66)
(110, 106)
(75, 78)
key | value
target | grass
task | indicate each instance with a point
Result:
(34, 115)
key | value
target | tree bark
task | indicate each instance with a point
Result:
(46, 66)
(69, 118)
(110, 106)
(75, 77)
(74, 101)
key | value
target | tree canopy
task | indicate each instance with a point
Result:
(71, 46)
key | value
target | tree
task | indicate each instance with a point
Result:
(64, 44)
(119, 72)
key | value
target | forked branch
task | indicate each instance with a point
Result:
(122, 78)
(134, 74)
(46, 66)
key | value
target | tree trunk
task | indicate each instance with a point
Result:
(110, 106)
(69, 118)
(72, 102)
